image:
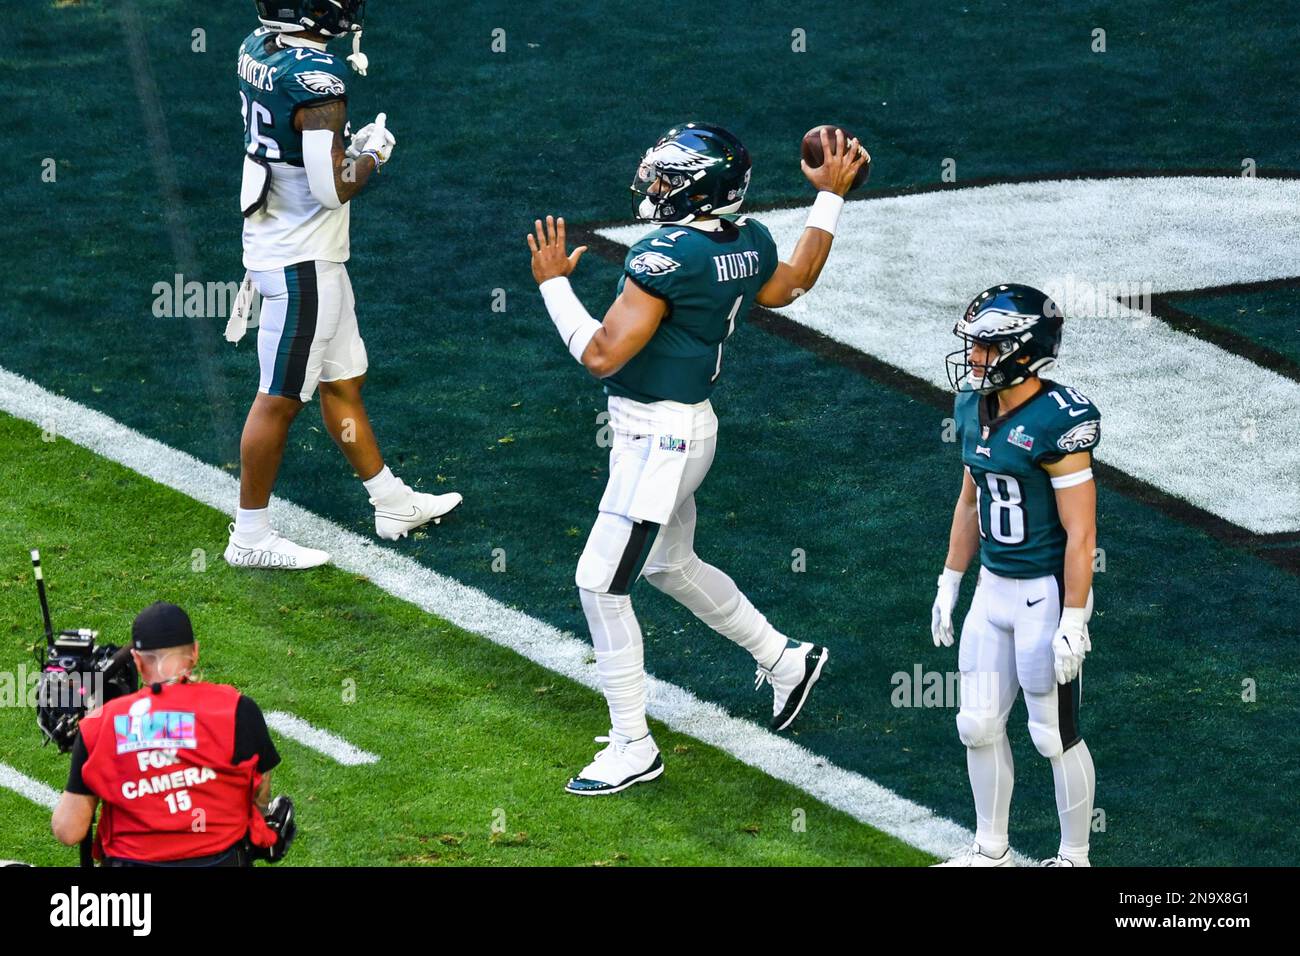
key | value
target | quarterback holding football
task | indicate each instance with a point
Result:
(300, 175)
(659, 352)
(1028, 506)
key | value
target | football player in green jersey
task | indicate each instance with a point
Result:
(659, 353)
(301, 169)
(1028, 506)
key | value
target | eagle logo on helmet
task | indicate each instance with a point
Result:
(1081, 436)
(679, 159)
(653, 263)
(325, 84)
(996, 322)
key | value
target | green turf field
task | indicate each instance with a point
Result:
(470, 736)
(813, 455)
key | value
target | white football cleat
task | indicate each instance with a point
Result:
(792, 678)
(398, 517)
(976, 857)
(618, 766)
(1059, 860)
(273, 551)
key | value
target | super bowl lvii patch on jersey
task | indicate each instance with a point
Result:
(1018, 438)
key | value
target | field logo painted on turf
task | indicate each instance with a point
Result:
(905, 267)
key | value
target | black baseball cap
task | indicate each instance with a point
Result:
(161, 625)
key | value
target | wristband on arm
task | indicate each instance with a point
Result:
(825, 212)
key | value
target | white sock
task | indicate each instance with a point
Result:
(1076, 783)
(251, 525)
(992, 776)
(385, 486)
(713, 597)
(620, 660)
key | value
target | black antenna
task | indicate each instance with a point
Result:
(40, 591)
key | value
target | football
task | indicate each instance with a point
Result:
(811, 149)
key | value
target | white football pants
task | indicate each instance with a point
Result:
(620, 549)
(1006, 646)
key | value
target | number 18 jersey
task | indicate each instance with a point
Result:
(1021, 535)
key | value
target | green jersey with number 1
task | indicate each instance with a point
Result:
(1021, 535)
(709, 280)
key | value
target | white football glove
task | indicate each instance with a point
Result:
(944, 604)
(1070, 644)
(379, 144)
(359, 140)
(356, 59)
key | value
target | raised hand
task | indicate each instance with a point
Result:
(547, 246)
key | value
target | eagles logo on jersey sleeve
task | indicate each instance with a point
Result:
(316, 78)
(1074, 424)
(651, 264)
(321, 83)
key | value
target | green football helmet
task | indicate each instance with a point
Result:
(332, 18)
(693, 170)
(1025, 326)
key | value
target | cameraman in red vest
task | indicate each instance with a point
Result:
(182, 767)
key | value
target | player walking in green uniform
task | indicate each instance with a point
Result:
(660, 351)
(302, 168)
(1028, 506)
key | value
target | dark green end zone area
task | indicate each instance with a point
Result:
(812, 456)
(1270, 318)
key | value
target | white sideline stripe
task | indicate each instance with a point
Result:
(471, 609)
(904, 267)
(25, 786)
(331, 745)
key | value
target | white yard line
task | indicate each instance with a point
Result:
(471, 609)
(25, 786)
(322, 741)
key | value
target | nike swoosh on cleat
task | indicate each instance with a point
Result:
(393, 514)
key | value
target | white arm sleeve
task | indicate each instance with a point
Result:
(318, 161)
(571, 318)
